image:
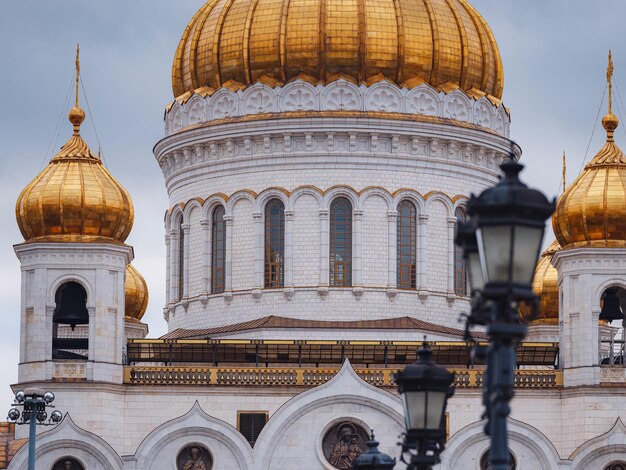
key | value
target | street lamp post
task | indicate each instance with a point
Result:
(508, 223)
(425, 388)
(33, 402)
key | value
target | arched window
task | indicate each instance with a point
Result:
(181, 260)
(341, 243)
(67, 463)
(218, 250)
(460, 273)
(407, 245)
(274, 244)
(70, 323)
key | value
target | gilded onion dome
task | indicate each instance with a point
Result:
(546, 286)
(405, 41)
(136, 294)
(75, 198)
(592, 212)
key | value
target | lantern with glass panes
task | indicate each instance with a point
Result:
(425, 388)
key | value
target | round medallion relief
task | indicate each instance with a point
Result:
(343, 443)
(194, 457)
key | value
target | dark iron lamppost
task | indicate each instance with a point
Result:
(509, 222)
(425, 388)
(33, 402)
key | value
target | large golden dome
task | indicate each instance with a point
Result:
(406, 41)
(592, 212)
(546, 286)
(136, 294)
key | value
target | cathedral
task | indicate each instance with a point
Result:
(317, 155)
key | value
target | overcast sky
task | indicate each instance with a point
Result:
(554, 54)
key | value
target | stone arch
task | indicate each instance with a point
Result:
(502, 121)
(268, 194)
(210, 204)
(345, 388)
(612, 282)
(601, 450)
(460, 202)
(410, 195)
(339, 191)
(441, 197)
(69, 440)
(376, 191)
(189, 207)
(305, 190)
(83, 281)
(238, 196)
(195, 426)
(176, 217)
(471, 442)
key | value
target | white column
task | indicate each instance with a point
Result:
(168, 268)
(185, 229)
(324, 250)
(174, 252)
(228, 265)
(422, 255)
(257, 217)
(357, 247)
(289, 248)
(392, 254)
(451, 227)
(206, 256)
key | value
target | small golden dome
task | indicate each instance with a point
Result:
(75, 198)
(592, 212)
(136, 292)
(546, 286)
(432, 41)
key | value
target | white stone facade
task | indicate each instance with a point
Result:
(307, 160)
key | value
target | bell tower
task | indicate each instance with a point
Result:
(74, 217)
(590, 224)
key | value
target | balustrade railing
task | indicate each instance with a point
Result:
(311, 377)
(612, 352)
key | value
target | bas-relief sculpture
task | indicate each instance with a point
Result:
(194, 458)
(343, 443)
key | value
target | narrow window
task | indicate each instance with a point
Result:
(250, 424)
(407, 245)
(460, 273)
(341, 243)
(218, 250)
(274, 244)
(181, 260)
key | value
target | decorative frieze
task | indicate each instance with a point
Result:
(340, 95)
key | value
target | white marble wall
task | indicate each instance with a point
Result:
(100, 268)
